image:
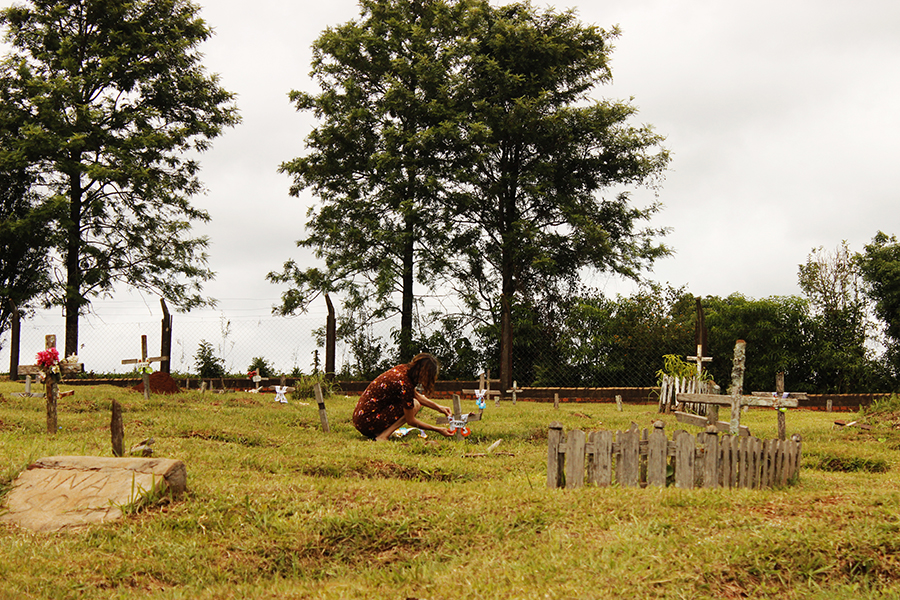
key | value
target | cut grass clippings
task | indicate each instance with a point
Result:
(278, 509)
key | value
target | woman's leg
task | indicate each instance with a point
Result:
(386, 434)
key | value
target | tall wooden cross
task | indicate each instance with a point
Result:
(143, 363)
(736, 400)
(700, 338)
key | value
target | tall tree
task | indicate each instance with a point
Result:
(374, 161)
(832, 282)
(879, 265)
(112, 101)
(537, 157)
(24, 242)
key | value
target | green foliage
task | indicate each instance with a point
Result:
(208, 364)
(304, 386)
(261, 365)
(458, 356)
(423, 108)
(110, 103)
(879, 266)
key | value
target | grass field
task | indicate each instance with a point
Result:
(278, 509)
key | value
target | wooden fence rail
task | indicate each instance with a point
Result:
(637, 459)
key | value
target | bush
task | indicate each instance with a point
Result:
(208, 364)
(262, 365)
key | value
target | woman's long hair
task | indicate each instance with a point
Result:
(423, 370)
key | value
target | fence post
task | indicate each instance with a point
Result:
(165, 342)
(575, 459)
(685, 450)
(711, 457)
(555, 473)
(320, 400)
(656, 455)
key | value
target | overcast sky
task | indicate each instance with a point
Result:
(782, 117)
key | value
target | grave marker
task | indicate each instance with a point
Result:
(143, 364)
(484, 390)
(737, 399)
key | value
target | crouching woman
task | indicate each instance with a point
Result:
(392, 400)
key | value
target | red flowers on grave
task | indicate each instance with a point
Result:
(48, 360)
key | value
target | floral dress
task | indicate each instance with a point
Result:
(382, 404)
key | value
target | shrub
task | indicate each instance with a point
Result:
(208, 364)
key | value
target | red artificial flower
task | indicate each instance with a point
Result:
(48, 358)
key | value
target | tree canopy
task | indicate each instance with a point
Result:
(459, 142)
(108, 102)
(375, 159)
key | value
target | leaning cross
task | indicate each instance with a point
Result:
(737, 399)
(143, 364)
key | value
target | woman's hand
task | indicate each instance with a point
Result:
(446, 410)
(444, 432)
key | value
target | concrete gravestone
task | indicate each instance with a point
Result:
(70, 492)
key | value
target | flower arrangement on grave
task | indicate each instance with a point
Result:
(48, 360)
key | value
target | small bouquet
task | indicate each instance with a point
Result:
(48, 360)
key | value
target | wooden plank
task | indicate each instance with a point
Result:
(628, 464)
(719, 400)
(790, 395)
(781, 450)
(555, 474)
(684, 459)
(320, 400)
(700, 421)
(575, 459)
(656, 457)
(744, 462)
(470, 418)
(710, 443)
(600, 472)
(768, 460)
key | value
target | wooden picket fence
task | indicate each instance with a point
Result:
(638, 459)
(671, 386)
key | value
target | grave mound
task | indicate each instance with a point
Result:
(160, 383)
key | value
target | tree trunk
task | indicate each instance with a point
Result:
(73, 300)
(406, 307)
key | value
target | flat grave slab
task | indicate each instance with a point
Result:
(72, 492)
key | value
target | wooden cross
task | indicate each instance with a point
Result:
(458, 416)
(515, 389)
(700, 338)
(143, 364)
(50, 384)
(737, 399)
(484, 387)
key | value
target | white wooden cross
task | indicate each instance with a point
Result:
(143, 363)
(515, 390)
(737, 399)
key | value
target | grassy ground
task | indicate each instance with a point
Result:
(277, 509)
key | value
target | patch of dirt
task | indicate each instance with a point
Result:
(160, 383)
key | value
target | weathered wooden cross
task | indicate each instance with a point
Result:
(50, 384)
(779, 399)
(484, 390)
(458, 420)
(700, 337)
(143, 364)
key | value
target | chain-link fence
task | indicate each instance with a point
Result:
(286, 344)
(587, 351)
